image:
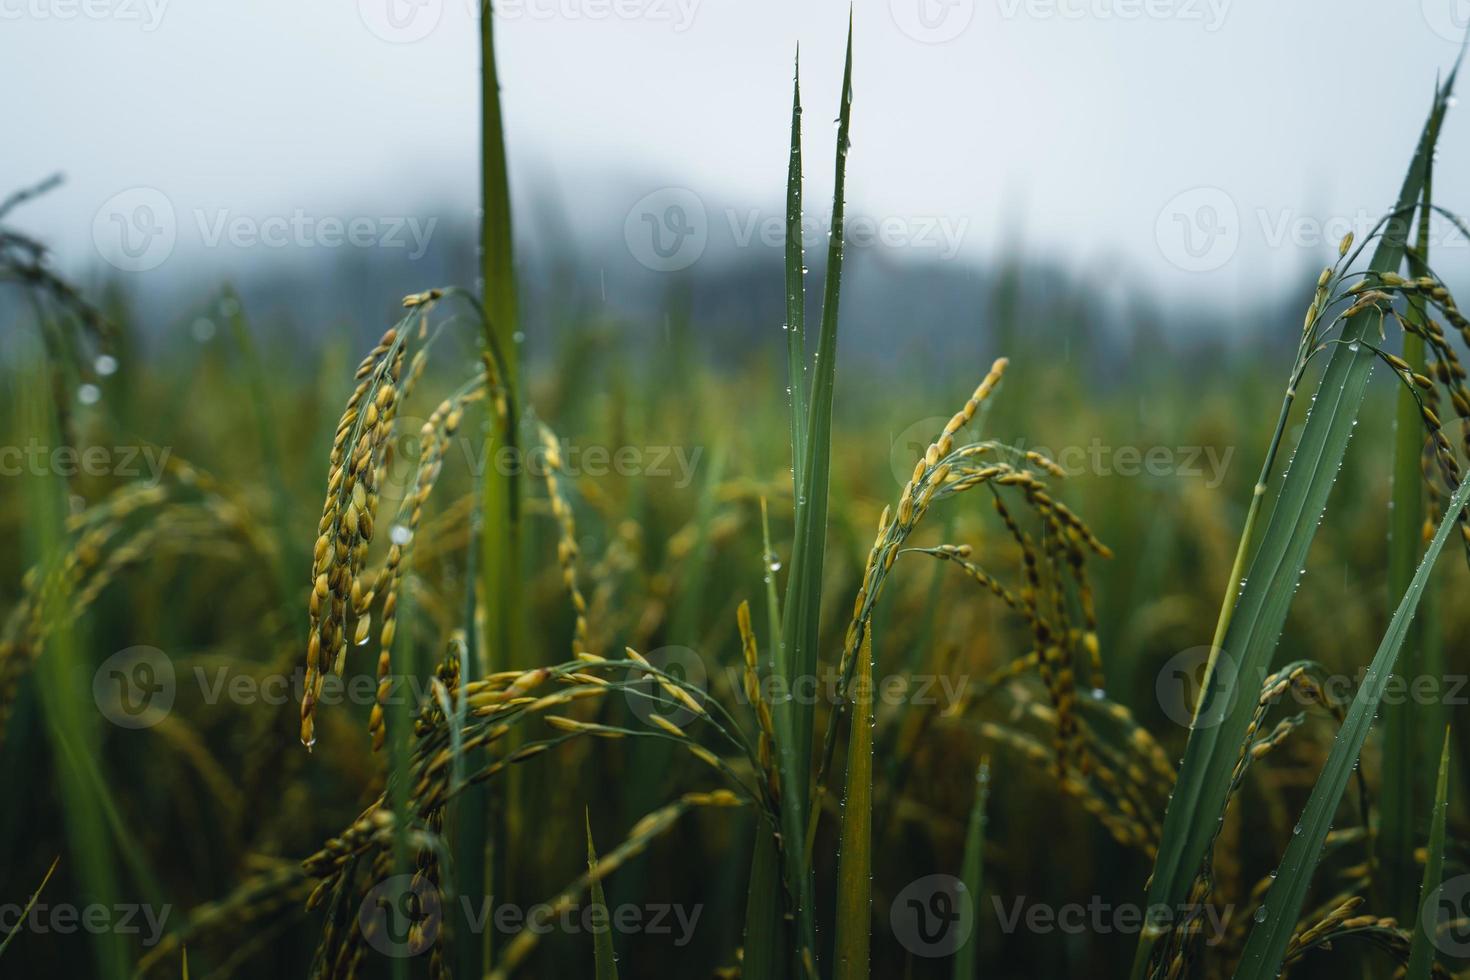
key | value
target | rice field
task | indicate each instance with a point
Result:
(427, 657)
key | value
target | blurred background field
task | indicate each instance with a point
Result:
(222, 791)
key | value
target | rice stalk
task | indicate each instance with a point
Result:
(483, 847)
(972, 872)
(855, 847)
(30, 904)
(801, 625)
(567, 551)
(1398, 802)
(1421, 949)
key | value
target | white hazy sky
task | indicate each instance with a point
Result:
(1076, 123)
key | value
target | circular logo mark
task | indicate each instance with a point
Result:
(908, 446)
(1198, 230)
(667, 230)
(134, 688)
(1180, 685)
(135, 229)
(1450, 19)
(932, 21)
(1446, 917)
(647, 697)
(400, 21)
(933, 916)
(401, 916)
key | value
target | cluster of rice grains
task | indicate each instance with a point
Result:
(343, 586)
(361, 453)
(1410, 303)
(469, 721)
(189, 512)
(458, 731)
(1124, 781)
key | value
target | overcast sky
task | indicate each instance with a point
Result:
(1207, 144)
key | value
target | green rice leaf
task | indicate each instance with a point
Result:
(482, 846)
(1421, 949)
(1259, 614)
(796, 375)
(1266, 947)
(765, 920)
(972, 872)
(605, 957)
(1409, 730)
(800, 628)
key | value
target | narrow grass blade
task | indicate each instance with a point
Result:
(765, 932)
(796, 375)
(497, 260)
(800, 627)
(1225, 706)
(401, 711)
(605, 958)
(972, 872)
(1266, 947)
(765, 919)
(31, 904)
(71, 721)
(484, 827)
(855, 854)
(266, 428)
(1421, 949)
